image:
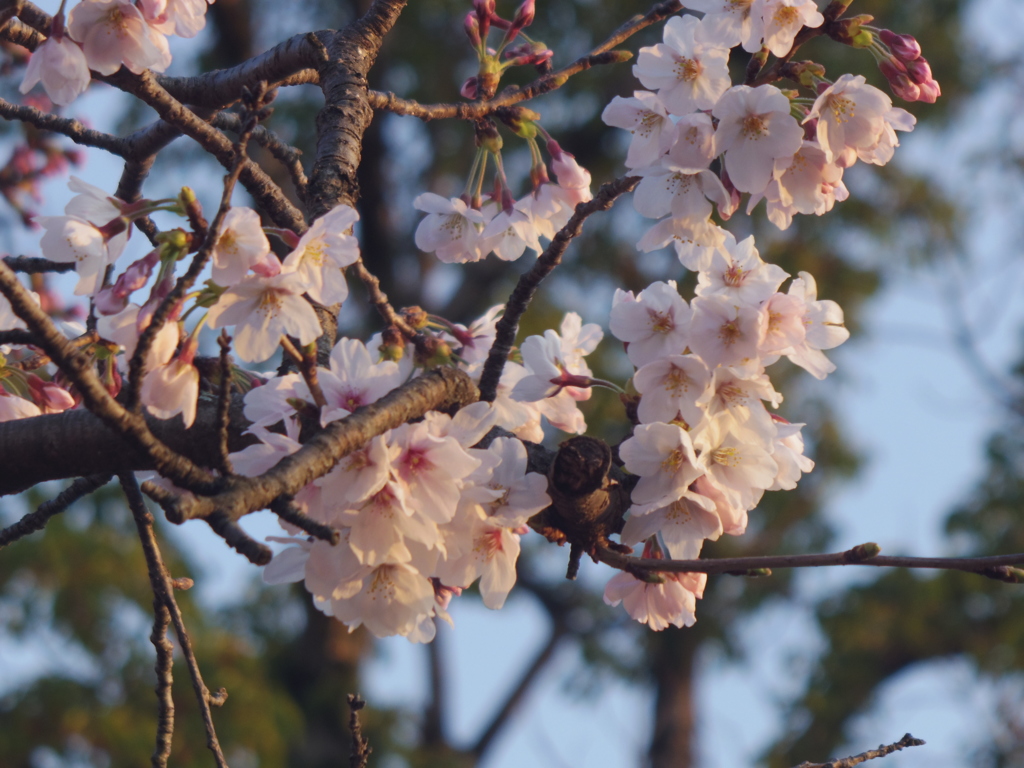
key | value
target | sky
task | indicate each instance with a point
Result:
(911, 402)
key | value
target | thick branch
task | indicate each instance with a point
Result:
(78, 367)
(521, 296)
(346, 113)
(439, 390)
(77, 443)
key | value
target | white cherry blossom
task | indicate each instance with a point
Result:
(323, 252)
(755, 127)
(644, 116)
(688, 73)
(263, 309)
(60, 65)
(654, 324)
(113, 32)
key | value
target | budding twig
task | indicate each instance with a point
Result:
(871, 754)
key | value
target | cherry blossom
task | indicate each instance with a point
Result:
(323, 252)
(240, 246)
(654, 324)
(114, 32)
(263, 309)
(782, 19)
(60, 65)
(688, 73)
(755, 127)
(645, 117)
(451, 229)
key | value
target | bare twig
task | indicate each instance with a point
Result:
(163, 594)
(1000, 567)
(521, 296)
(379, 299)
(164, 682)
(33, 264)
(360, 746)
(285, 508)
(36, 521)
(224, 404)
(871, 754)
(287, 155)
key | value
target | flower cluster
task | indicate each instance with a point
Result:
(427, 509)
(102, 35)
(422, 512)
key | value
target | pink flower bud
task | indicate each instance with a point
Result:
(471, 25)
(48, 396)
(930, 91)
(114, 298)
(920, 71)
(899, 81)
(524, 17)
(902, 46)
(469, 88)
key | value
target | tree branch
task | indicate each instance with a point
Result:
(36, 521)
(438, 390)
(1000, 567)
(78, 367)
(513, 95)
(163, 594)
(522, 295)
(346, 113)
(871, 754)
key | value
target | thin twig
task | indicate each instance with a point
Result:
(286, 509)
(379, 299)
(1000, 567)
(164, 682)
(31, 265)
(35, 521)
(360, 746)
(871, 754)
(508, 325)
(224, 404)
(163, 592)
(284, 153)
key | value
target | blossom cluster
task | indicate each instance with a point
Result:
(103, 35)
(427, 509)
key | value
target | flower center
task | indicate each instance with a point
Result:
(755, 127)
(730, 333)
(688, 70)
(734, 276)
(843, 109)
(786, 16)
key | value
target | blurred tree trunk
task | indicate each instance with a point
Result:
(672, 655)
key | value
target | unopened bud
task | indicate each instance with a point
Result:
(903, 47)
(392, 345)
(183, 583)
(471, 25)
(920, 71)
(845, 31)
(469, 88)
(525, 14)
